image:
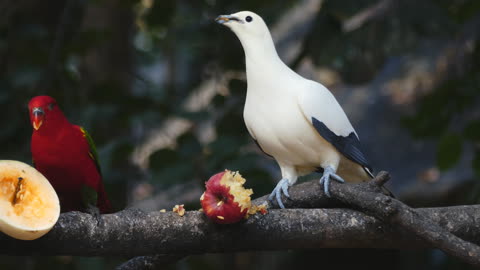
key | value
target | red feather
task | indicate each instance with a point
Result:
(62, 154)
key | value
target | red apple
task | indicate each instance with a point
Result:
(225, 200)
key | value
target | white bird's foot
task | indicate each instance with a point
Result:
(282, 186)
(329, 173)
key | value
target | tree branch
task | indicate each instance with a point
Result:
(135, 233)
(369, 198)
(397, 213)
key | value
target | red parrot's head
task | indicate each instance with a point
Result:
(43, 109)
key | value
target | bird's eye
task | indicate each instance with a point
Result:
(248, 19)
(50, 106)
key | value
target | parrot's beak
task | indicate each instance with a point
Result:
(226, 18)
(38, 117)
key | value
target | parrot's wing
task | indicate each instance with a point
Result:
(323, 112)
(89, 194)
(92, 149)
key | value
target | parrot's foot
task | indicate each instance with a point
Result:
(95, 212)
(329, 173)
(282, 186)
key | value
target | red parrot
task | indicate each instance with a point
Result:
(65, 154)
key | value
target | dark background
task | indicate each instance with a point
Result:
(160, 87)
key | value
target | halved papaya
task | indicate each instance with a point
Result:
(29, 206)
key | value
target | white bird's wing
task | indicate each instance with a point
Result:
(322, 110)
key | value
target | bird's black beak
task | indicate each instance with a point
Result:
(38, 115)
(226, 18)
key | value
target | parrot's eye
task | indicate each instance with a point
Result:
(248, 19)
(51, 106)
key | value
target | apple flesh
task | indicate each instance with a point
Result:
(225, 200)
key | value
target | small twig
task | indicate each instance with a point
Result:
(381, 179)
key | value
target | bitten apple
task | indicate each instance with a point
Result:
(225, 200)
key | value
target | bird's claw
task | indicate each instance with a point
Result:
(95, 212)
(282, 186)
(329, 173)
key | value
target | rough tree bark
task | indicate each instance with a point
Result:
(136, 233)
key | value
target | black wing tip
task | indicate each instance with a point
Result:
(349, 146)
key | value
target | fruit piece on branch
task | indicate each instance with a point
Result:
(225, 200)
(179, 209)
(29, 206)
(262, 209)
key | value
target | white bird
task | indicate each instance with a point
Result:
(295, 120)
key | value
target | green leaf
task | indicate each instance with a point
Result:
(449, 151)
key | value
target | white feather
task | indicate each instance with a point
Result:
(280, 105)
(317, 101)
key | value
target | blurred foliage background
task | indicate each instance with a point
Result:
(161, 87)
